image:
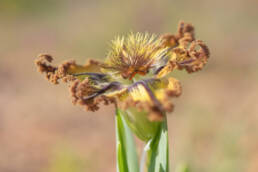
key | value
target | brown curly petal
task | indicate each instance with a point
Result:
(196, 58)
(43, 66)
(79, 90)
(53, 73)
(184, 31)
(73, 91)
(186, 52)
(169, 40)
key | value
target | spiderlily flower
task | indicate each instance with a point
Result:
(135, 72)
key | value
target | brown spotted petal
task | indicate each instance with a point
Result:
(87, 87)
(88, 95)
(185, 33)
(152, 96)
(186, 52)
(66, 70)
(191, 59)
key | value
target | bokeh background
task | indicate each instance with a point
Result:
(213, 128)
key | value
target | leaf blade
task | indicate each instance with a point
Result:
(127, 159)
(158, 150)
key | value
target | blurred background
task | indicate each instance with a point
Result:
(213, 128)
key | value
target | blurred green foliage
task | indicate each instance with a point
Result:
(182, 168)
(65, 159)
(27, 7)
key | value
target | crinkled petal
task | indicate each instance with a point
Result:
(66, 70)
(87, 87)
(87, 94)
(191, 59)
(152, 95)
(185, 32)
(186, 52)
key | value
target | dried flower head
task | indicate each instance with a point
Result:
(134, 73)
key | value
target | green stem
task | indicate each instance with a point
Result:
(154, 134)
(127, 160)
(158, 150)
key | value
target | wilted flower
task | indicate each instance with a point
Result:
(135, 72)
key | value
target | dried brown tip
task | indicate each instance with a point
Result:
(191, 54)
(53, 73)
(185, 31)
(80, 90)
(42, 63)
(62, 72)
(196, 56)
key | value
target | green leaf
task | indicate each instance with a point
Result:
(157, 150)
(127, 159)
(182, 168)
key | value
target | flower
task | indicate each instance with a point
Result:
(135, 72)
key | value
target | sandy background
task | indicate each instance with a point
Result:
(214, 125)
